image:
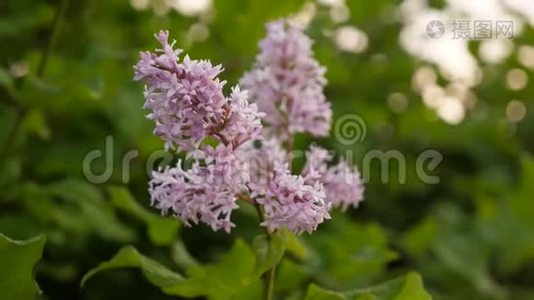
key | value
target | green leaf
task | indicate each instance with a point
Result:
(455, 253)
(420, 238)
(521, 202)
(269, 252)
(233, 275)
(315, 292)
(129, 257)
(17, 260)
(290, 274)
(5, 79)
(82, 209)
(344, 265)
(408, 287)
(181, 257)
(161, 231)
(296, 247)
(499, 216)
(221, 280)
(35, 123)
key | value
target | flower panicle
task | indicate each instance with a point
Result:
(186, 102)
(234, 156)
(342, 183)
(292, 203)
(287, 83)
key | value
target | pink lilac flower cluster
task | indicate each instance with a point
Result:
(289, 201)
(343, 184)
(187, 102)
(233, 156)
(287, 83)
(193, 198)
(188, 106)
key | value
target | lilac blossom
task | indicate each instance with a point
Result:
(290, 202)
(343, 184)
(187, 102)
(287, 83)
(243, 122)
(188, 105)
(205, 194)
(261, 157)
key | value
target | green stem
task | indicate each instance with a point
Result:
(20, 109)
(52, 41)
(11, 138)
(289, 149)
(269, 275)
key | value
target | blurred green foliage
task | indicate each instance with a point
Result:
(409, 287)
(65, 86)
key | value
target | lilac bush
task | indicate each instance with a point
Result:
(234, 156)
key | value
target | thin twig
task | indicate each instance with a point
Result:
(58, 23)
(12, 101)
(269, 275)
